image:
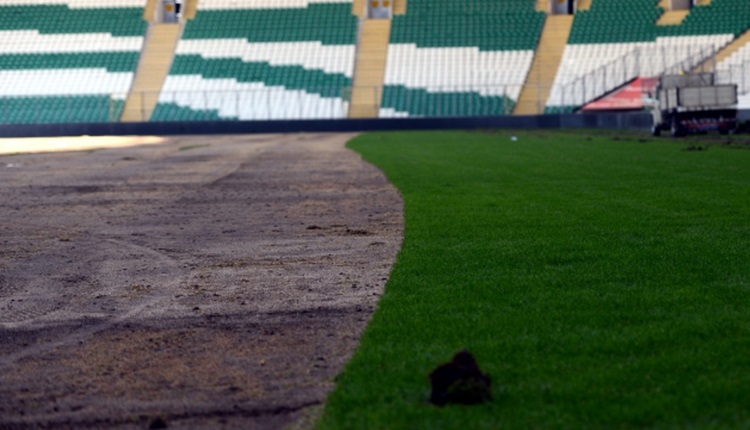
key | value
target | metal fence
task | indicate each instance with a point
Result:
(264, 104)
(736, 74)
(335, 103)
(261, 104)
(648, 61)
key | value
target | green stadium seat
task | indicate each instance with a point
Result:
(489, 43)
(63, 64)
(304, 53)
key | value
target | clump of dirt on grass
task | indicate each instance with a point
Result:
(460, 381)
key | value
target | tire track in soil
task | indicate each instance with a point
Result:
(217, 281)
(38, 312)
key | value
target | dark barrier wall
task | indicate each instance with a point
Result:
(630, 121)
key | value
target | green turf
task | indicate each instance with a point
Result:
(603, 281)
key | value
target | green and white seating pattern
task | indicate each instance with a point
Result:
(590, 70)
(67, 60)
(262, 59)
(736, 70)
(449, 58)
(616, 41)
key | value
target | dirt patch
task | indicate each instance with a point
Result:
(194, 282)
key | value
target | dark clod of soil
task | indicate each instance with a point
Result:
(157, 423)
(460, 381)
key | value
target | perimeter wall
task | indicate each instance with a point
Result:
(629, 121)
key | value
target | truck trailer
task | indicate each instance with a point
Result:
(693, 103)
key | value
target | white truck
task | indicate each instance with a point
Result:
(692, 103)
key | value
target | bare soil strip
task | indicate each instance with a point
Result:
(206, 281)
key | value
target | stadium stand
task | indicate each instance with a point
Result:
(616, 41)
(75, 60)
(262, 59)
(67, 60)
(736, 69)
(450, 58)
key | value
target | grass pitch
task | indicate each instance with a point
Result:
(602, 280)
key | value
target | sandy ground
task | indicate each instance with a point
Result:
(197, 282)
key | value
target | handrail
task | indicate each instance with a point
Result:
(642, 61)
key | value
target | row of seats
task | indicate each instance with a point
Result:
(68, 60)
(110, 61)
(329, 23)
(302, 54)
(171, 112)
(57, 109)
(617, 21)
(236, 70)
(312, 55)
(260, 4)
(63, 82)
(248, 101)
(401, 101)
(61, 19)
(33, 42)
(718, 17)
(486, 24)
(460, 58)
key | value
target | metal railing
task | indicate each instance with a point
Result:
(327, 103)
(262, 104)
(647, 61)
(735, 74)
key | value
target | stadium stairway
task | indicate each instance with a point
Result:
(726, 52)
(369, 68)
(189, 9)
(583, 5)
(149, 12)
(671, 17)
(370, 62)
(358, 8)
(545, 65)
(153, 67)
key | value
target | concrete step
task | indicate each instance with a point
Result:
(153, 67)
(583, 5)
(725, 52)
(369, 68)
(545, 65)
(672, 17)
